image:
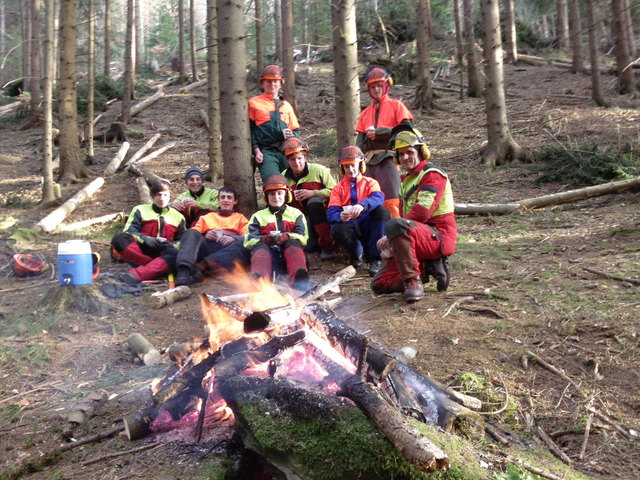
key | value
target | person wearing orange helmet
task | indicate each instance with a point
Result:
(272, 120)
(374, 131)
(277, 234)
(356, 211)
(418, 244)
(311, 185)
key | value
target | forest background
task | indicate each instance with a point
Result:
(524, 277)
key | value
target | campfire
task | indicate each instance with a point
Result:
(271, 341)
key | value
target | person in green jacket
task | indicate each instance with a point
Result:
(198, 200)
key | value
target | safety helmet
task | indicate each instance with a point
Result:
(272, 72)
(276, 182)
(349, 155)
(26, 265)
(376, 73)
(409, 138)
(294, 145)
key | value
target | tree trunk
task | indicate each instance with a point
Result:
(192, 41)
(25, 10)
(106, 68)
(424, 90)
(345, 65)
(71, 166)
(127, 91)
(277, 19)
(511, 44)
(259, 36)
(91, 79)
(181, 69)
(48, 191)
(577, 57)
(238, 170)
(475, 87)
(627, 12)
(626, 80)
(3, 24)
(596, 88)
(458, 26)
(383, 30)
(34, 88)
(288, 65)
(139, 35)
(213, 93)
(501, 146)
(562, 25)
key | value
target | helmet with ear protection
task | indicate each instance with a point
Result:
(294, 145)
(349, 155)
(409, 137)
(376, 73)
(272, 72)
(276, 182)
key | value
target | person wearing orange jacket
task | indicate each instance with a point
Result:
(271, 120)
(311, 185)
(149, 237)
(215, 240)
(356, 212)
(374, 131)
(418, 244)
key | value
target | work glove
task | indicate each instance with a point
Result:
(268, 239)
(282, 238)
(155, 242)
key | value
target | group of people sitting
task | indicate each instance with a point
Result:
(402, 226)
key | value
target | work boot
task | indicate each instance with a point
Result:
(301, 280)
(356, 262)
(375, 266)
(413, 289)
(130, 279)
(183, 276)
(439, 270)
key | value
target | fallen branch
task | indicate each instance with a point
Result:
(193, 86)
(611, 276)
(144, 149)
(37, 389)
(120, 454)
(553, 447)
(536, 470)
(117, 159)
(72, 227)
(455, 304)
(606, 419)
(155, 154)
(51, 221)
(555, 370)
(169, 297)
(136, 109)
(150, 177)
(481, 309)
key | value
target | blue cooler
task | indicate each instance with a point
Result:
(75, 266)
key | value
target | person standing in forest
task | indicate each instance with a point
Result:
(198, 200)
(418, 244)
(272, 120)
(149, 237)
(311, 185)
(374, 131)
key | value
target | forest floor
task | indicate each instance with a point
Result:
(522, 277)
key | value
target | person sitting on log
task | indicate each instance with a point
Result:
(356, 211)
(272, 120)
(198, 200)
(277, 234)
(311, 185)
(149, 237)
(215, 241)
(420, 242)
(374, 131)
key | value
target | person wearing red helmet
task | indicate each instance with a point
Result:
(418, 244)
(355, 211)
(278, 234)
(311, 185)
(272, 120)
(374, 131)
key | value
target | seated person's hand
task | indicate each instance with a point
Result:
(356, 210)
(225, 239)
(268, 239)
(178, 205)
(258, 156)
(282, 238)
(345, 214)
(189, 203)
(155, 242)
(302, 195)
(383, 243)
(212, 235)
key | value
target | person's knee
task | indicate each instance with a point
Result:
(121, 240)
(398, 226)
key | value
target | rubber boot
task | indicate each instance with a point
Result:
(393, 205)
(261, 262)
(155, 268)
(439, 270)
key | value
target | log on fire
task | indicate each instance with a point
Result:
(304, 433)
